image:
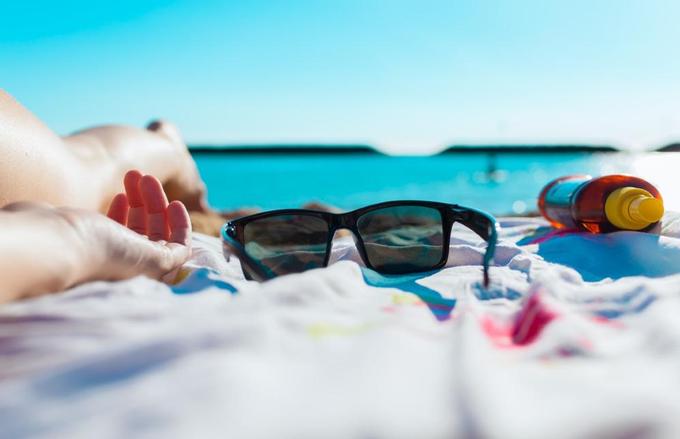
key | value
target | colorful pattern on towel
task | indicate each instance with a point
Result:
(577, 336)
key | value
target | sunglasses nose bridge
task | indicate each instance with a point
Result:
(343, 221)
(343, 225)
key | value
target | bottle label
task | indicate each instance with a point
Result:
(558, 201)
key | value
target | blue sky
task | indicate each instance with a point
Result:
(407, 76)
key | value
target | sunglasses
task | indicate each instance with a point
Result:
(395, 237)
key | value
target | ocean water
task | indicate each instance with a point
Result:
(504, 183)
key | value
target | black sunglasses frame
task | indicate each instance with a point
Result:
(482, 223)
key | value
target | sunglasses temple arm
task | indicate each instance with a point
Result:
(488, 255)
(256, 270)
(486, 226)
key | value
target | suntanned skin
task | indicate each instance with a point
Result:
(46, 249)
(86, 169)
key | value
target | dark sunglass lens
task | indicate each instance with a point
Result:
(287, 243)
(403, 239)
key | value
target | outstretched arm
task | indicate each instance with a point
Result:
(48, 249)
(37, 254)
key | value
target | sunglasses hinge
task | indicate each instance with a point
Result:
(460, 214)
(231, 230)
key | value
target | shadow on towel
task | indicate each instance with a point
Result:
(614, 255)
(440, 307)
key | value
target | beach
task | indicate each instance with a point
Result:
(320, 220)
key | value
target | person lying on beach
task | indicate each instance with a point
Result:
(47, 249)
(50, 249)
(86, 169)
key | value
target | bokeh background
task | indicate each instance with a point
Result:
(409, 77)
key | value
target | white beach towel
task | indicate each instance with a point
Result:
(578, 336)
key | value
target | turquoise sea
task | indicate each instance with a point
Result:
(502, 183)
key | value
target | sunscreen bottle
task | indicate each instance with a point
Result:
(600, 205)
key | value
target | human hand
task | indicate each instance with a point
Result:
(47, 249)
(144, 210)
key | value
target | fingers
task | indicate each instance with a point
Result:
(180, 224)
(119, 209)
(146, 210)
(156, 205)
(137, 215)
